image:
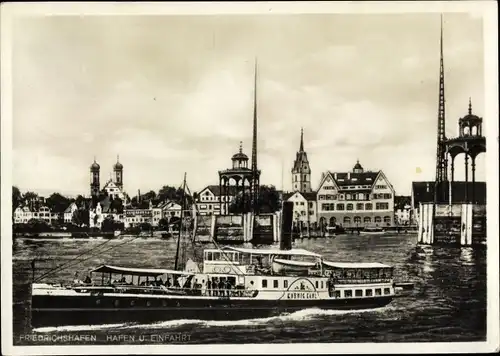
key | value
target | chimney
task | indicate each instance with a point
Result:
(286, 228)
(335, 175)
(348, 175)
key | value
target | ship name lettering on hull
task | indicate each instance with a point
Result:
(301, 295)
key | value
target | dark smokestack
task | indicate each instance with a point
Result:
(286, 228)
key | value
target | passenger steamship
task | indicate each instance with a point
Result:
(234, 283)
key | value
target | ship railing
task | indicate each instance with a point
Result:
(197, 290)
(362, 281)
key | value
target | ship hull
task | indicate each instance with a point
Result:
(93, 310)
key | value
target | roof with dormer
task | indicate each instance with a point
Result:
(215, 190)
(309, 196)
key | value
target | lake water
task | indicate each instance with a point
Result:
(448, 302)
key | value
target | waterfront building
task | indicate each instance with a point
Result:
(105, 209)
(301, 171)
(170, 210)
(68, 213)
(135, 217)
(211, 201)
(23, 215)
(403, 210)
(357, 198)
(305, 212)
(113, 190)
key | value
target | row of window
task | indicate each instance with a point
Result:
(357, 219)
(318, 284)
(359, 292)
(217, 198)
(303, 213)
(304, 178)
(355, 196)
(382, 196)
(350, 207)
(302, 203)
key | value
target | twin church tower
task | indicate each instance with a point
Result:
(301, 171)
(95, 185)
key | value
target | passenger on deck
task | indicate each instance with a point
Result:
(221, 286)
(88, 280)
(168, 283)
(228, 288)
(77, 280)
(176, 282)
(215, 287)
(209, 287)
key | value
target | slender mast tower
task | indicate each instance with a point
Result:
(255, 171)
(441, 156)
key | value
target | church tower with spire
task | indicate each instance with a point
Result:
(118, 173)
(94, 179)
(301, 171)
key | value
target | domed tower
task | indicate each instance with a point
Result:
(357, 168)
(94, 179)
(240, 160)
(118, 171)
(301, 171)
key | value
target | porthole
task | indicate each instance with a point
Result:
(148, 303)
(164, 303)
(132, 303)
(117, 303)
(98, 301)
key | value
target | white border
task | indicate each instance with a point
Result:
(487, 9)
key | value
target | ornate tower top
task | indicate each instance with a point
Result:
(118, 165)
(94, 166)
(358, 168)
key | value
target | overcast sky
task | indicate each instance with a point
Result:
(174, 94)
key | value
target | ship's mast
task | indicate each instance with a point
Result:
(180, 224)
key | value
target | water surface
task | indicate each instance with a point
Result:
(447, 304)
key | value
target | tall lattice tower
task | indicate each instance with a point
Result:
(255, 172)
(441, 158)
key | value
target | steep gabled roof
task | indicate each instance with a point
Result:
(309, 196)
(215, 189)
(68, 209)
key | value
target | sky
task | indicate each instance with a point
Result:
(174, 94)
